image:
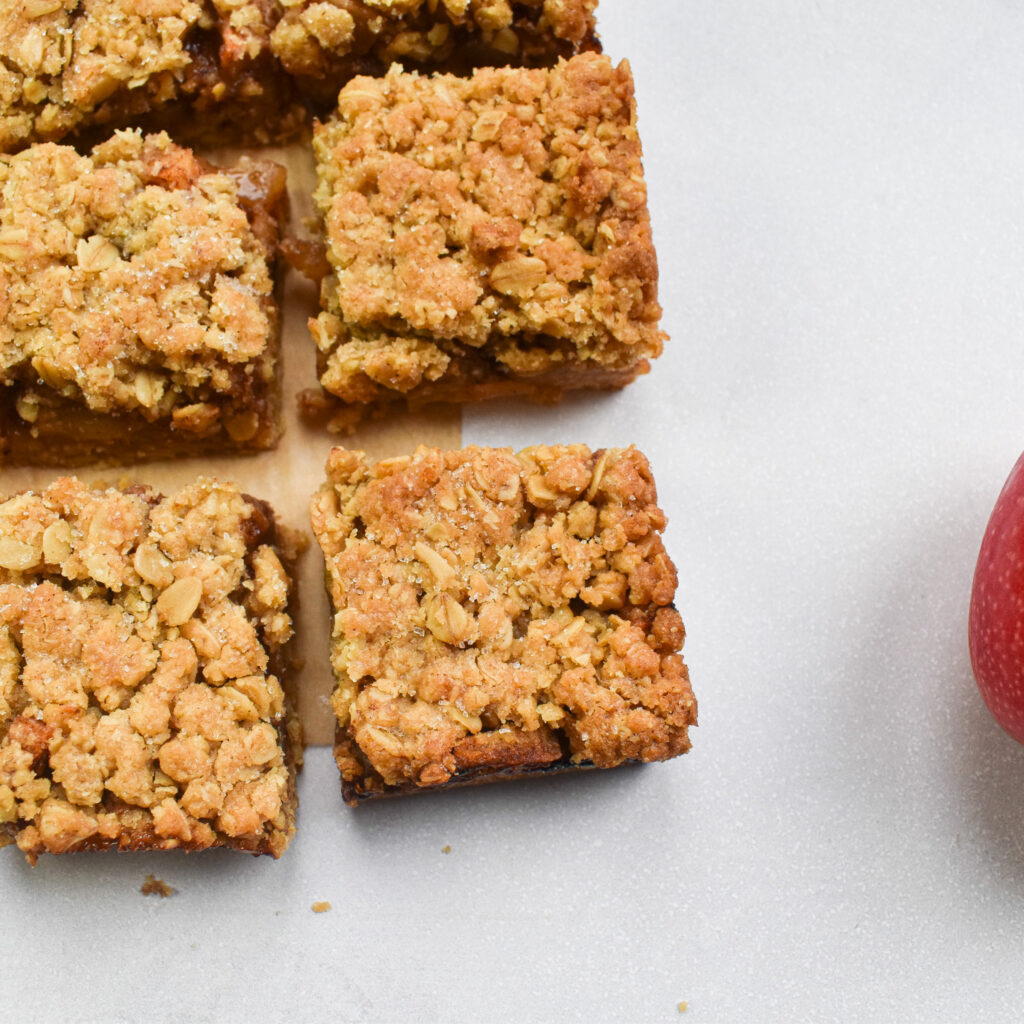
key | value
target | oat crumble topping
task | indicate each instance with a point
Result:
(67, 65)
(141, 648)
(316, 37)
(60, 59)
(132, 281)
(485, 234)
(496, 610)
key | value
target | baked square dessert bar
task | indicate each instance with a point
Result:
(323, 45)
(485, 236)
(207, 70)
(498, 615)
(202, 69)
(137, 310)
(142, 650)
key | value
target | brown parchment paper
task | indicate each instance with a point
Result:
(288, 476)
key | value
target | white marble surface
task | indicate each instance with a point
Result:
(838, 198)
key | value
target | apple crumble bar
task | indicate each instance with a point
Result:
(499, 614)
(200, 68)
(324, 44)
(137, 309)
(142, 650)
(485, 236)
(210, 69)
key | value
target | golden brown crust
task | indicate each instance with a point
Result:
(136, 303)
(142, 646)
(499, 613)
(487, 235)
(211, 69)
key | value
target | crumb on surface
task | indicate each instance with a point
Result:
(682, 1006)
(498, 610)
(446, 849)
(321, 907)
(154, 886)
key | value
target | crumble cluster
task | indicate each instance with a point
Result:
(485, 234)
(141, 646)
(68, 64)
(132, 281)
(499, 610)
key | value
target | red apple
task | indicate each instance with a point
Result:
(995, 627)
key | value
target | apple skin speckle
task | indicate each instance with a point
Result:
(995, 628)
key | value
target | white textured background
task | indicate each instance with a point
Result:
(838, 199)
